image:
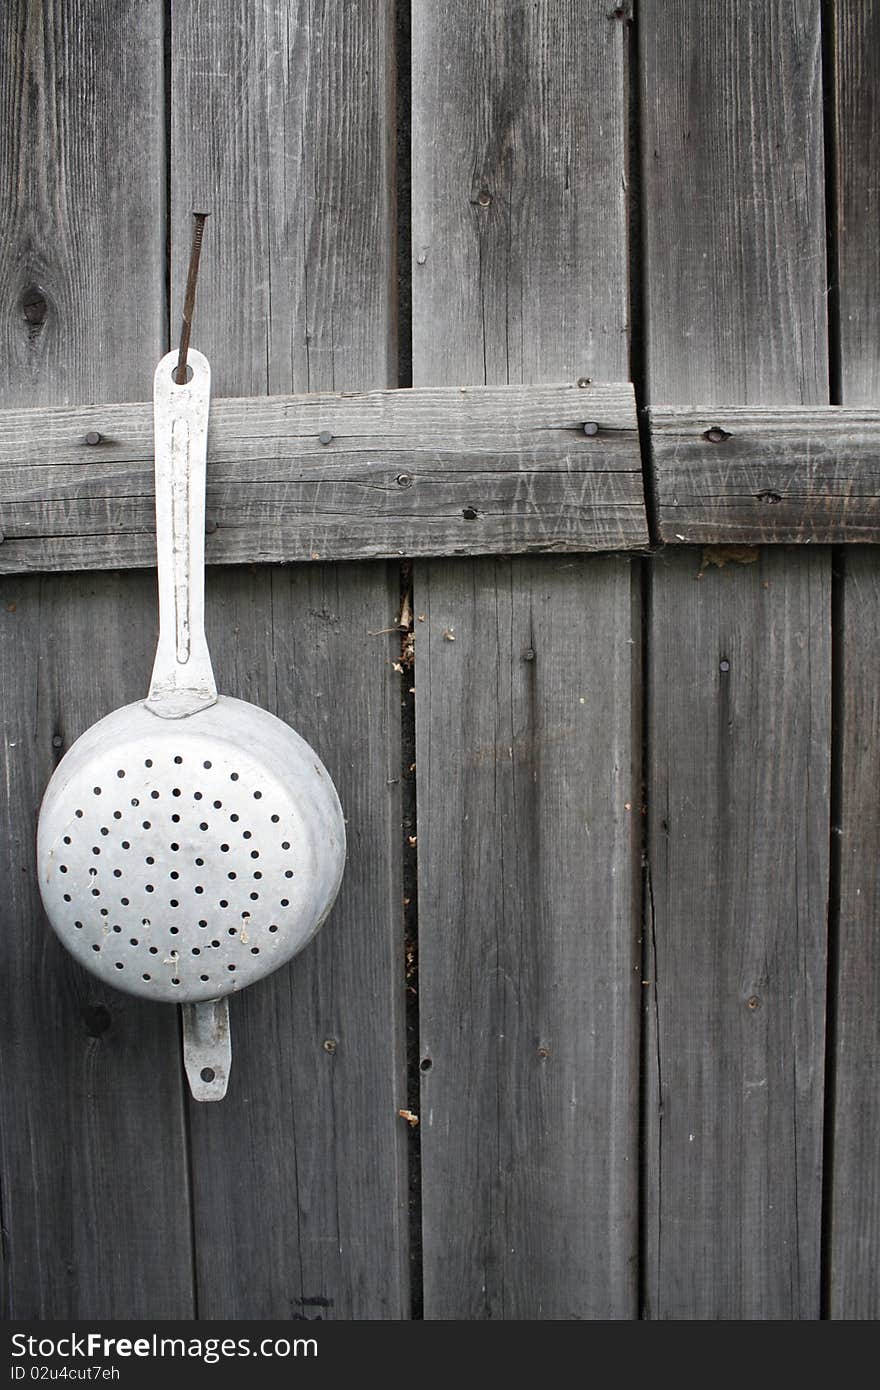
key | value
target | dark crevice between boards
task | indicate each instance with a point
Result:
(167, 113)
(403, 188)
(638, 356)
(832, 249)
(186, 1124)
(838, 574)
(409, 827)
(408, 802)
(638, 348)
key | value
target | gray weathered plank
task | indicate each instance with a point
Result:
(748, 476)
(92, 1157)
(420, 472)
(854, 1247)
(525, 709)
(281, 120)
(739, 677)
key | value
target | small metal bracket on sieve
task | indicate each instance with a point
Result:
(207, 1048)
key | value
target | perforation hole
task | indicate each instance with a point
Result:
(97, 791)
(205, 978)
(120, 772)
(67, 898)
(146, 977)
(67, 839)
(119, 965)
(178, 759)
(233, 776)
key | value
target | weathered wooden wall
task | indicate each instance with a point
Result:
(648, 828)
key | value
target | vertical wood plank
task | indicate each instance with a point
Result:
(740, 682)
(854, 1274)
(282, 126)
(527, 746)
(92, 1152)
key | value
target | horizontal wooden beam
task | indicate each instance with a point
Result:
(439, 471)
(480, 470)
(748, 476)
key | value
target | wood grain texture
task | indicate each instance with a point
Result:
(809, 474)
(739, 732)
(92, 1157)
(418, 472)
(857, 195)
(854, 1284)
(854, 1227)
(738, 761)
(526, 745)
(734, 202)
(281, 122)
(283, 130)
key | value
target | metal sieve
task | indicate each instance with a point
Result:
(191, 843)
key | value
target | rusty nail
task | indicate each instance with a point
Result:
(724, 666)
(325, 437)
(543, 1052)
(93, 437)
(716, 435)
(57, 740)
(485, 198)
(210, 526)
(529, 654)
(329, 1045)
(404, 480)
(189, 299)
(754, 1002)
(585, 381)
(590, 427)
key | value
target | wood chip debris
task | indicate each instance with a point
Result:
(411, 1119)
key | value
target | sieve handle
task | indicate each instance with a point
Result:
(207, 1048)
(182, 680)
